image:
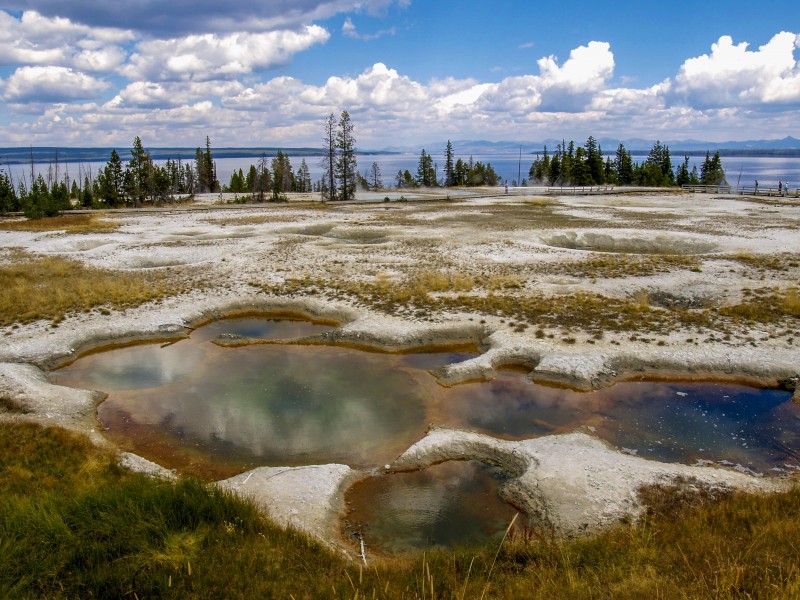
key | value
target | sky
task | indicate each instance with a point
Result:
(409, 72)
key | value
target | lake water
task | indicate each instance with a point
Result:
(216, 411)
(744, 170)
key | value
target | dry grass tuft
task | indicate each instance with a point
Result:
(767, 262)
(50, 287)
(642, 298)
(10, 405)
(537, 201)
(240, 220)
(431, 292)
(66, 223)
(766, 306)
(427, 282)
(614, 266)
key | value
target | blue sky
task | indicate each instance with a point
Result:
(86, 73)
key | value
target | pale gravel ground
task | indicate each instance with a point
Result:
(232, 248)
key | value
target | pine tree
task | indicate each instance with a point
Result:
(8, 196)
(111, 181)
(329, 159)
(375, 177)
(38, 202)
(303, 183)
(555, 169)
(426, 175)
(86, 197)
(683, 177)
(263, 182)
(449, 167)
(711, 171)
(136, 172)
(462, 171)
(210, 168)
(283, 180)
(594, 162)
(624, 166)
(346, 169)
(581, 174)
(657, 167)
(251, 181)
(540, 168)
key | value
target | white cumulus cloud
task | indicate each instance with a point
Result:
(148, 94)
(379, 90)
(34, 39)
(211, 56)
(733, 75)
(50, 84)
(569, 88)
(215, 84)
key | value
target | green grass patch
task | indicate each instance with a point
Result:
(50, 287)
(74, 525)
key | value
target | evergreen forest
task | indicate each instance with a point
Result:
(141, 181)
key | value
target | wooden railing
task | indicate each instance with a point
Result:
(579, 189)
(743, 190)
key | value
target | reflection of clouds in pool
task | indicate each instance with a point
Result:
(285, 405)
(136, 367)
(264, 400)
(512, 405)
(444, 505)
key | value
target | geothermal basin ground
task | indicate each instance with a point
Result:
(578, 291)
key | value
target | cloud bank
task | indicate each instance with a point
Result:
(76, 79)
(156, 18)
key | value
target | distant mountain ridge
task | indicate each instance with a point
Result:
(52, 154)
(788, 146)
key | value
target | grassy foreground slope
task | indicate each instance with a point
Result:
(75, 525)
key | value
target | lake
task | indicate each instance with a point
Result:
(743, 170)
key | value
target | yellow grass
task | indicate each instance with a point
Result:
(537, 201)
(67, 223)
(642, 298)
(50, 287)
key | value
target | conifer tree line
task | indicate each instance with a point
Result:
(585, 166)
(271, 180)
(456, 173)
(140, 181)
(134, 183)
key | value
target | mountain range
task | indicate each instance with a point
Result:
(787, 146)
